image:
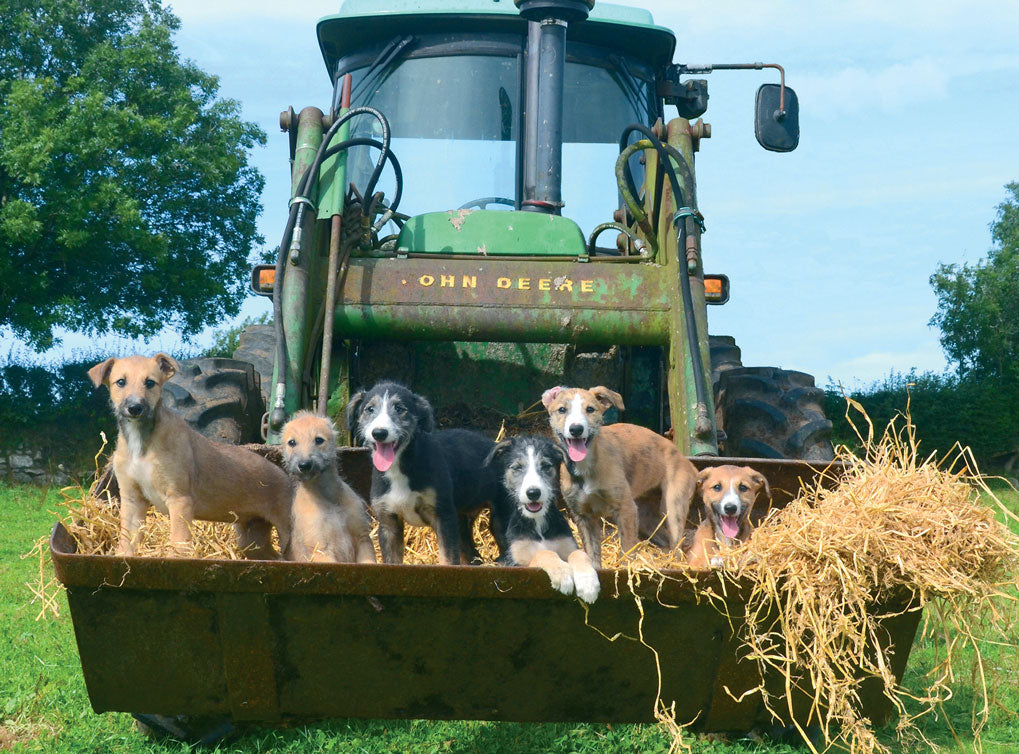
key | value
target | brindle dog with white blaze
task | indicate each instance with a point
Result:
(330, 520)
(536, 533)
(421, 476)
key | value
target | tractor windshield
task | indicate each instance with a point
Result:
(454, 107)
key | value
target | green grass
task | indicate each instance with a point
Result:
(44, 706)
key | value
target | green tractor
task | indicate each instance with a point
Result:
(496, 202)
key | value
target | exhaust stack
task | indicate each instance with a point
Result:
(543, 182)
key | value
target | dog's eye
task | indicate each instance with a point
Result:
(150, 383)
(291, 442)
(399, 409)
(562, 409)
(121, 382)
(717, 487)
(546, 466)
(369, 409)
(517, 466)
(590, 409)
(743, 488)
(319, 440)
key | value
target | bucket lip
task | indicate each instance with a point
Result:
(96, 572)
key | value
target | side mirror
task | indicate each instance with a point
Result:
(777, 123)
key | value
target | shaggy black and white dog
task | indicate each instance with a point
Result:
(531, 529)
(421, 476)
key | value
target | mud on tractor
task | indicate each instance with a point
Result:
(497, 201)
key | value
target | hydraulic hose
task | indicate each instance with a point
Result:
(702, 423)
(277, 416)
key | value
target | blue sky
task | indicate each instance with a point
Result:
(907, 117)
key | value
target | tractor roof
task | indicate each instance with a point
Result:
(362, 22)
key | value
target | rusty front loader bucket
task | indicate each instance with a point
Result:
(278, 641)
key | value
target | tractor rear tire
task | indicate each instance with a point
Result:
(220, 398)
(769, 412)
(257, 346)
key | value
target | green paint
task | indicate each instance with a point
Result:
(333, 177)
(492, 233)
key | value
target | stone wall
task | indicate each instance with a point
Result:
(26, 465)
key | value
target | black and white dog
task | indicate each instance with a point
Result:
(535, 532)
(420, 476)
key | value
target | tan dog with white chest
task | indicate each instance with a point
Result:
(162, 462)
(728, 494)
(615, 469)
(330, 520)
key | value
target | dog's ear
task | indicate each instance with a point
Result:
(608, 397)
(702, 477)
(549, 395)
(352, 411)
(426, 422)
(760, 480)
(556, 453)
(496, 451)
(167, 365)
(100, 373)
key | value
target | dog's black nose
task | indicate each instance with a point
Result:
(380, 434)
(304, 465)
(576, 430)
(533, 493)
(730, 509)
(135, 409)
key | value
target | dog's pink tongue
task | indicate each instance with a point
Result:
(577, 449)
(730, 526)
(384, 455)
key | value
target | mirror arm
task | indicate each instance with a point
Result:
(690, 69)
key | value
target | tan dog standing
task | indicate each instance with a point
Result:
(728, 494)
(613, 469)
(330, 520)
(161, 461)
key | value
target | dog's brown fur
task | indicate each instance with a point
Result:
(708, 541)
(330, 520)
(627, 468)
(161, 461)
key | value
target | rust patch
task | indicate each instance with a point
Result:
(457, 217)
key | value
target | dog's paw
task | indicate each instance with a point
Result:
(561, 578)
(717, 562)
(587, 585)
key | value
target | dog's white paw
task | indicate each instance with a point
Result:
(717, 562)
(587, 585)
(562, 579)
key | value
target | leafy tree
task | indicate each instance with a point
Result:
(126, 199)
(978, 305)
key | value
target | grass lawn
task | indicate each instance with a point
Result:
(44, 706)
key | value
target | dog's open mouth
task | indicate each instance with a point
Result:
(384, 455)
(730, 526)
(534, 507)
(576, 447)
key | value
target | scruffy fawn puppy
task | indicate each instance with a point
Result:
(330, 520)
(728, 494)
(161, 461)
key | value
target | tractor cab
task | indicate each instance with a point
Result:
(453, 79)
